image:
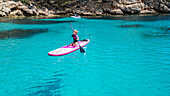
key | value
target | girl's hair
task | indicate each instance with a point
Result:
(75, 31)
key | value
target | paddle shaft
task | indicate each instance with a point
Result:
(71, 26)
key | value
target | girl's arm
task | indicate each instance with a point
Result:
(77, 37)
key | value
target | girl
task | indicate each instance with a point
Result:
(75, 38)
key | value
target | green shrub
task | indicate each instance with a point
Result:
(67, 2)
(168, 0)
(37, 7)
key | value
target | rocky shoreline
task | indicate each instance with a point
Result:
(22, 8)
(18, 9)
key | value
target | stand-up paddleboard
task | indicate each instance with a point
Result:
(68, 49)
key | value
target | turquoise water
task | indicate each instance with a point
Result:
(126, 56)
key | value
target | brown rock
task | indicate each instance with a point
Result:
(164, 8)
(44, 9)
(19, 3)
(78, 12)
(159, 5)
(92, 9)
(6, 10)
(28, 11)
(2, 14)
(51, 12)
(22, 7)
(116, 12)
(88, 14)
(11, 4)
(16, 13)
(60, 12)
(148, 12)
(41, 12)
(128, 2)
(1, 1)
(133, 8)
(98, 13)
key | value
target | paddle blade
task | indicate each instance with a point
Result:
(81, 50)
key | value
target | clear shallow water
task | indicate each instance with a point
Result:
(125, 57)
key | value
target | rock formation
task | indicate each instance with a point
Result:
(82, 7)
(159, 5)
(11, 8)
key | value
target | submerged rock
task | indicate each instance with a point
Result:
(20, 33)
(129, 26)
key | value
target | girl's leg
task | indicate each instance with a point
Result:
(75, 44)
(72, 44)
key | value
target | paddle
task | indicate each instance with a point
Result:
(81, 49)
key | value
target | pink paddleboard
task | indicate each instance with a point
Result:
(68, 49)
